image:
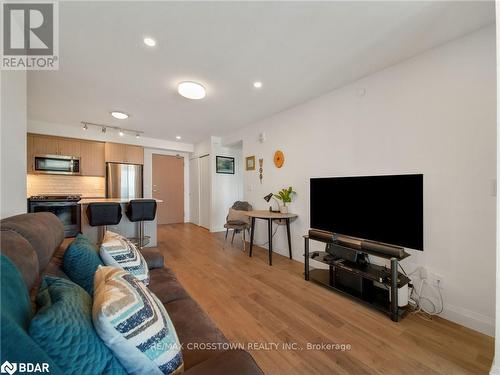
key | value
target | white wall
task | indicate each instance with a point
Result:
(495, 369)
(95, 134)
(13, 143)
(226, 188)
(148, 175)
(433, 114)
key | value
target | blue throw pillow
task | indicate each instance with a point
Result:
(17, 346)
(63, 328)
(80, 262)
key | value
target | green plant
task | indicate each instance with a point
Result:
(285, 195)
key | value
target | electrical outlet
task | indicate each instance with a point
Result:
(423, 273)
(436, 280)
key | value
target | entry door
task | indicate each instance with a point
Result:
(205, 191)
(168, 186)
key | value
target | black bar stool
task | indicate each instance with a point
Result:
(103, 214)
(141, 210)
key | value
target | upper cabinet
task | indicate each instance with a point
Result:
(120, 153)
(46, 145)
(92, 159)
(31, 154)
(91, 153)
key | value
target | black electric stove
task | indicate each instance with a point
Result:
(65, 207)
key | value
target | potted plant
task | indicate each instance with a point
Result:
(284, 195)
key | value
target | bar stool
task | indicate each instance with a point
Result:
(103, 214)
(141, 210)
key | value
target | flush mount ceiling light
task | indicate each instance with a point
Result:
(150, 42)
(177, 137)
(191, 90)
(119, 115)
(257, 84)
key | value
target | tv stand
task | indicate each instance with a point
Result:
(371, 284)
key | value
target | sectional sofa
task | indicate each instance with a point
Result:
(33, 242)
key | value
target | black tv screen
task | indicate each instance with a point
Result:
(385, 209)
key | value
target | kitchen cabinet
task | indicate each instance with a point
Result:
(69, 147)
(121, 153)
(134, 154)
(92, 159)
(46, 145)
(30, 154)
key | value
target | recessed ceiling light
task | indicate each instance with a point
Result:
(119, 115)
(177, 137)
(257, 84)
(150, 42)
(191, 90)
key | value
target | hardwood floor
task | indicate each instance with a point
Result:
(252, 302)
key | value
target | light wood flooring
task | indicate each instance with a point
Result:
(252, 302)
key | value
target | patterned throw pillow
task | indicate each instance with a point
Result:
(134, 324)
(118, 251)
(63, 329)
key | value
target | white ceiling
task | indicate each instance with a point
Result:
(298, 50)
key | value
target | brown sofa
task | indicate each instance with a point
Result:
(33, 243)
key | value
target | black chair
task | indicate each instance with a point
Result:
(103, 214)
(141, 210)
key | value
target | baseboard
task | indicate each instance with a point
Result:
(470, 319)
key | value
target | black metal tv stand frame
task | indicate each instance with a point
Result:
(358, 280)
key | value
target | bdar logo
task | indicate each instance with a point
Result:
(8, 367)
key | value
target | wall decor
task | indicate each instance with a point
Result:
(224, 164)
(279, 159)
(250, 163)
(261, 163)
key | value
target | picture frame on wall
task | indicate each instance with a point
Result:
(250, 163)
(224, 164)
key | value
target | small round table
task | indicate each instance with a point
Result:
(270, 216)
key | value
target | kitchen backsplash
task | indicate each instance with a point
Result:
(89, 187)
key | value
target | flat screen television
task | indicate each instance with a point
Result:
(386, 209)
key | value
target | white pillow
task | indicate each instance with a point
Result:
(134, 324)
(118, 251)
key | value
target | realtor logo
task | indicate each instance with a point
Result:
(8, 367)
(30, 35)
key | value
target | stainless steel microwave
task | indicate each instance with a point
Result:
(57, 164)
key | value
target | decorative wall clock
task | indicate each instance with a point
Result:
(279, 159)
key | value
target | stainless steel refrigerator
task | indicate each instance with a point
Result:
(123, 180)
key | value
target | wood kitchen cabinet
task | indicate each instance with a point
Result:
(121, 153)
(30, 154)
(92, 159)
(69, 147)
(134, 154)
(46, 145)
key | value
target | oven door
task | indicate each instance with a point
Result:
(55, 164)
(67, 212)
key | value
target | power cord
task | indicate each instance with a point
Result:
(272, 236)
(419, 307)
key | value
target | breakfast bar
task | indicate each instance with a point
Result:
(125, 227)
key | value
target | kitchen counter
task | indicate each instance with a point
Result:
(125, 227)
(111, 200)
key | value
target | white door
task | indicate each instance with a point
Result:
(205, 192)
(194, 191)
